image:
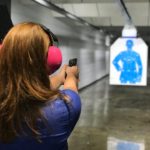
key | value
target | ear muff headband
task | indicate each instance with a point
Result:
(53, 38)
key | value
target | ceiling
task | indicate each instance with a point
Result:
(106, 12)
(93, 1)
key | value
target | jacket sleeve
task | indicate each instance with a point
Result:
(74, 107)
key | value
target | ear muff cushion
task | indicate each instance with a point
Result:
(54, 59)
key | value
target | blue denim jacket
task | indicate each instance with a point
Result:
(61, 117)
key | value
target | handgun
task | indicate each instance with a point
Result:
(73, 62)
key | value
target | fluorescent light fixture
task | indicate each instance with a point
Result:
(86, 23)
(42, 2)
(71, 16)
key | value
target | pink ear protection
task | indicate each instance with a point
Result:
(54, 55)
(54, 59)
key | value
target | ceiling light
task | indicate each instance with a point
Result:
(71, 16)
(42, 2)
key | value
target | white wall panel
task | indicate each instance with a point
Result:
(112, 11)
(109, 9)
(85, 10)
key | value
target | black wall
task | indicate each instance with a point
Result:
(5, 21)
(7, 3)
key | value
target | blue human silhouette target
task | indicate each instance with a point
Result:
(131, 69)
(128, 63)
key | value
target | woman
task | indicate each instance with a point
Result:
(34, 114)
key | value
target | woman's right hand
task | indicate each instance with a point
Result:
(72, 79)
(72, 71)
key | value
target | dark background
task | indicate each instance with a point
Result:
(5, 21)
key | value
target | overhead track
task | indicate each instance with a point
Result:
(124, 10)
(62, 11)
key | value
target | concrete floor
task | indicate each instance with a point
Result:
(113, 118)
